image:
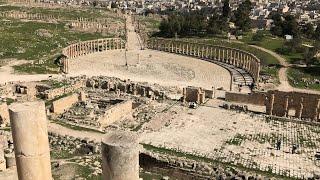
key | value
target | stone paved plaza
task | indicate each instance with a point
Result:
(245, 140)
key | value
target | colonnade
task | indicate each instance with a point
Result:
(24, 15)
(235, 57)
(88, 25)
(89, 47)
(19, 1)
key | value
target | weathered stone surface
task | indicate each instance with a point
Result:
(30, 138)
(60, 105)
(4, 114)
(116, 112)
(120, 156)
(193, 94)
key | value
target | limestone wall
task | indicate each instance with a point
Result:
(284, 104)
(61, 105)
(236, 57)
(119, 86)
(88, 47)
(193, 94)
(4, 114)
(255, 98)
(116, 113)
(2, 154)
(52, 93)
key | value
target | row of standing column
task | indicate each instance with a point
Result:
(65, 62)
(84, 48)
(27, 16)
(271, 110)
(88, 47)
(228, 55)
(86, 25)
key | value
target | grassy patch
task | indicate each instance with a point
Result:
(23, 40)
(74, 127)
(67, 14)
(60, 154)
(304, 77)
(9, 101)
(55, 84)
(86, 173)
(272, 71)
(237, 140)
(272, 43)
(74, 171)
(150, 23)
(6, 129)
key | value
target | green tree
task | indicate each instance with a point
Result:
(290, 26)
(214, 24)
(317, 33)
(242, 16)
(258, 36)
(276, 29)
(225, 16)
(226, 11)
(308, 30)
(309, 55)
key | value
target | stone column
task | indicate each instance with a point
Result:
(286, 105)
(300, 109)
(316, 114)
(30, 138)
(120, 156)
(223, 56)
(269, 105)
(231, 82)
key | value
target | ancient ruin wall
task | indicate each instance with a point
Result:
(53, 93)
(255, 98)
(116, 112)
(61, 105)
(281, 103)
(193, 94)
(119, 86)
(4, 114)
(88, 47)
(235, 57)
(297, 104)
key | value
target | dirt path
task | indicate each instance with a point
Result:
(133, 42)
(284, 84)
(7, 74)
(283, 77)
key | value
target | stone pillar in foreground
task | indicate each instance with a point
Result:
(30, 139)
(120, 156)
